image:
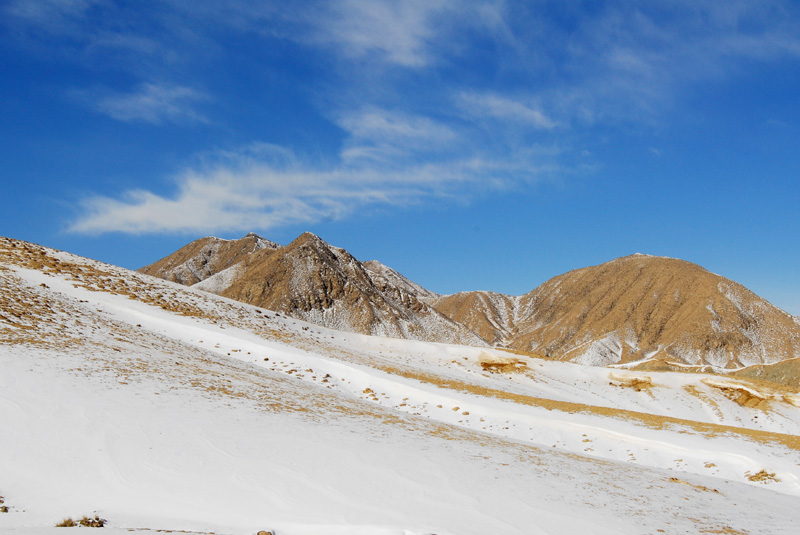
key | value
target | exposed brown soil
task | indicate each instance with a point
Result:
(786, 373)
(724, 530)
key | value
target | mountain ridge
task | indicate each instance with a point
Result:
(312, 280)
(634, 311)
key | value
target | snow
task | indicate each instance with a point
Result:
(379, 273)
(219, 282)
(602, 352)
(167, 421)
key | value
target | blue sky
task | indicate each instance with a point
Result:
(469, 145)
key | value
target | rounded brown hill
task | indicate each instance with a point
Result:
(643, 307)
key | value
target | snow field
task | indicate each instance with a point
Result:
(151, 452)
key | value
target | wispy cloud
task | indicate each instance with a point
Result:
(505, 109)
(388, 136)
(263, 187)
(397, 32)
(149, 103)
(412, 33)
(433, 98)
(636, 62)
(52, 13)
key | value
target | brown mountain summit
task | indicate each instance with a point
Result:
(311, 280)
(635, 311)
(638, 308)
(205, 257)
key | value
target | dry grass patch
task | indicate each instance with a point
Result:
(637, 382)
(496, 364)
(753, 396)
(697, 487)
(85, 522)
(762, 477)
(651, 421)
(724, 530)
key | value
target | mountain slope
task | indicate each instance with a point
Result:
(205, 257)
(393, 284)
(311, 280)
(168, 408)
(314, 281)
(653, 308)
(489, 314)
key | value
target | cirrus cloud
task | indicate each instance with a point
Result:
(149, 103)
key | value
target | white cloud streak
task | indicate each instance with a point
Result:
(150, 103)
(505, 109)
(51, 13)
(385, 136)
(263, 186)
(533, 77)
(397, 32)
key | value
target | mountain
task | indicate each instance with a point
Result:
(162, 408)
(393, 283)
(311, 280)
(205, 257)
(491, 315)
(638, 311)
(653, 310)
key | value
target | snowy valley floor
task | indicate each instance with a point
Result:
(165, 408)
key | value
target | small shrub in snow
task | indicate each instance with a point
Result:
(86, 522)
(95, 522)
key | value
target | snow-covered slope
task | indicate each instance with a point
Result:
(162, 407)
(387, 278)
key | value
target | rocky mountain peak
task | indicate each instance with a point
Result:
(260, 242)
